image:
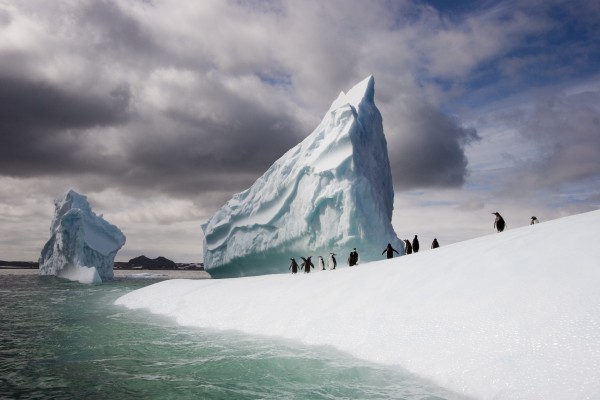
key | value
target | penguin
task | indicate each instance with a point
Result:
(332, 261)
(353, 258)
(415, 244)
(321, 264)
(390, 251)
(307, 264)
(435, 244)
(499, 223)
(534, 220)
(293, 266)
(408, 247)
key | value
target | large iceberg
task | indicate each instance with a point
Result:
(82, 246)
(329, 194)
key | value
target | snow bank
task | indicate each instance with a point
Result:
(506, 316)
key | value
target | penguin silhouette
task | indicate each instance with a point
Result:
(307, 264)
(293, 266)
(353, 258)
(499, 223)
(435, 244)
(390, 251)
(408, 247)
(415, 244)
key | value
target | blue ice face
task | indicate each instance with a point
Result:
(80, 241)
(330, 193)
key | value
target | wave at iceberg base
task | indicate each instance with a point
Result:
(82, 246)
(81, 274)
(330, 193)
(505, 316)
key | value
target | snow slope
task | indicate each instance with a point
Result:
(512, 315)
(330, 193)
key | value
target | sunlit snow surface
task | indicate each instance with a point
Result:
(82, 245)
(330, 193)
(506, 316)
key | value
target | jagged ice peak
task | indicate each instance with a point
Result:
(328, 194)
(82, 245)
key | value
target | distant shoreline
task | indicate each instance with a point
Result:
(118, 265)
(119, 273)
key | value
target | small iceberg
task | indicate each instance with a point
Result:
(82, 245)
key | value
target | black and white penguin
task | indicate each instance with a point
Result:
(321, 264)
(293, 266)
(332, 261)
(534, 220)
(499, 223)
(307, 264)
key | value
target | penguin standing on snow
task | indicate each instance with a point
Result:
(534, 220)
(321, 264)
(293, 266)
(332, 261)
(408, 247)
(499, 223)
(353, 258)
(390, 251)
(415, 244)
(307, 264)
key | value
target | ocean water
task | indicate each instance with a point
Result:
(65, 340)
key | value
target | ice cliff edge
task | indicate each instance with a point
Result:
(82, 245)
(330, 193)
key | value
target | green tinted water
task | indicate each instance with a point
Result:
(65, 340)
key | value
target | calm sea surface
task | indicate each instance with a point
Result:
(65, 340)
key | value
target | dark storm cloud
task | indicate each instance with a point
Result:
(189, 134)
(429, 149)
(28, 104)
(204, 154)
(41, 125)
(44, 132)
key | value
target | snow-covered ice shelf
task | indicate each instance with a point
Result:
(514, 315)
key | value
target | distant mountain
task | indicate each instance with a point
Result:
(148, 263)
(141, 262)
(20, 264)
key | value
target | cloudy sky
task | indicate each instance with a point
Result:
(160, 111)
